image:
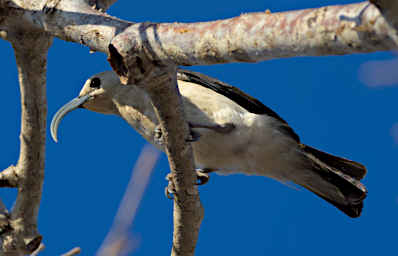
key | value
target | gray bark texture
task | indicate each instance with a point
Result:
(21, 235)
(147, 54)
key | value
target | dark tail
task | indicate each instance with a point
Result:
(335, 179)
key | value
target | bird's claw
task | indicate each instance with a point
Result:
(169, 191)
(158, 135)
(202, 177)
(193, 136)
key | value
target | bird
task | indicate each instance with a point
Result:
(231, 132)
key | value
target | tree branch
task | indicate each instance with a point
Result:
(389, 9)
(103, 5)
(74, 251)
(250, 37)
(8, 177)
(31, 57)
(118, 241)
(161, 85)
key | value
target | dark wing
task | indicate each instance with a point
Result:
(239, 97)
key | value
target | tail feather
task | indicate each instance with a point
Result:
(352, 210)
(336, 180)
(354, 169)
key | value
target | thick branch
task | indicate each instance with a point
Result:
(389, 9)
(250, 37)
(255, 37)
(31, 56)
(103, 5)
(188, 210)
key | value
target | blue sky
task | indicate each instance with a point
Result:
(324, 99)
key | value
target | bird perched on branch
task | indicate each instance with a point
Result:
(232, 133)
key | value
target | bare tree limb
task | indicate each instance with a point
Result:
(74, 251)
(31, 57)
(250, 37)
(4, 218)
(102, 5)
(389, 9)
(161, 84)
(8, 177)
(117, 240)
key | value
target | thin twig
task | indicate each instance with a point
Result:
(74, 251)
(116, 242)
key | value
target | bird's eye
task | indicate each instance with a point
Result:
(95, 83)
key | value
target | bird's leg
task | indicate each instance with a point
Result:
(158, 135)
(202, 177)
(225, 128)
(170, 189)
(194, 136)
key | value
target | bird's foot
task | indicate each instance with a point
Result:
(170, 189)
(159, 139)
(224, 128)
(158, 136)
(202, 177)
(193, 136)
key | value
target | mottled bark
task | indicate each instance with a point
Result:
(250, 37)
(22, 236)
(254, 37)
(161, 85)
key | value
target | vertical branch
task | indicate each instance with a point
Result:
(31, 57)
(188, 210)
(389, 9)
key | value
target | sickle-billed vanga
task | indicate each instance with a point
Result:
(231, 132)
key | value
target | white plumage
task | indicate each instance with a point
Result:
(237, 135)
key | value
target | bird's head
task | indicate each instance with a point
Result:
(96, 95)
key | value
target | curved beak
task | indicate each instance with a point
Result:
(68, 107)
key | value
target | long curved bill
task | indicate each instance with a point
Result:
(68, 107)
